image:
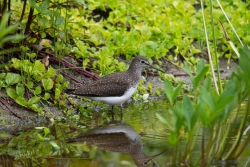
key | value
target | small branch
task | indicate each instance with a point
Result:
(30, 17)
(69, 65)
(11, 111)
(23, 11)
(76, 80)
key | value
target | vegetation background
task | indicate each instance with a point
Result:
(47, 45)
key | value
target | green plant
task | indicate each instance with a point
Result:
(211, 111)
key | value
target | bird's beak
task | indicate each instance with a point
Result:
(153, 157)
(151, 66)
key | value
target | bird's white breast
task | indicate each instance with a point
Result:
(117, 100)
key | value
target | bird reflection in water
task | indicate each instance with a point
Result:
(118, 137)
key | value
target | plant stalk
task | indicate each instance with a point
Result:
(232, 153)
(215, 46)
(208, 49)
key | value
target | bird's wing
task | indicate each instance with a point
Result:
(105, 86)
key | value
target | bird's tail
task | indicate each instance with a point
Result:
(70, 91)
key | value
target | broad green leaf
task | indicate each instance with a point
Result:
(188, 111)
(177, 91)
(30, 84)
(33, 100)
(31, 55)
(2, 75)
(200, 67)
(57, 94)
(164, 121)
(21, 100)
(13, 38)
(169, 90)
(204, 114)
(40, 137)
(39, 66)
(35, 107)
(12, 78)
(173, 138)
(51, 71)
(47, 83)
(16, 63)
(177, 116)
(46, 96)
(244, 64)
(20, 90)
(43, 6)
(208, 98)
(11, 93)
(187, 69)
(59, 20)
(38, 90)
(59, 78)
(2, 84)
(151, 44)
(46, 131)
(200, 73)
(200, 77)
(54, 145)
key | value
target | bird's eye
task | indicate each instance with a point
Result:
(142, 61)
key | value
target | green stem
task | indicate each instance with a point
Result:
(215, 48)
(223, 142)
(230, 22)
(242, 147)
(232, 153)
(208, 49)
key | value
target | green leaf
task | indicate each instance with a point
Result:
(57, 94)
(51, 71)
(188, 111)
(11, 93)
(38, 70)
(59, 78)
(54, 145)
(200, 73)
(20, 90)
(47, 83)
(244, 64)
(33, 100)
(38, 90)
(30, 84)
(43, 6)
(12, 78)
(177, 91)
(16, 63)
(169, 90)
(187, 69)
(2, 75)
(151, 44)
(164, 121)
(46, 96)
(40, 137)
(34, 107)
(21, 101)
(46, 131)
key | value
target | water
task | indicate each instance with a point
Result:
(134, 140)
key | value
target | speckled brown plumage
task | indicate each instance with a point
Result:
(115, 88)
(114, 84)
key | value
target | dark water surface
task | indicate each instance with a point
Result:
(132, 142)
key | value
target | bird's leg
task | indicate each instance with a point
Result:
(121, 111)
(112, 112)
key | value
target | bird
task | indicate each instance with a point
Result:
(118, 137)
(116, 88)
